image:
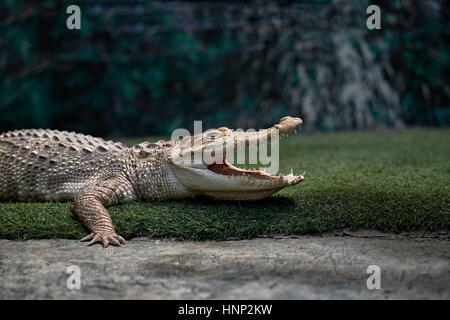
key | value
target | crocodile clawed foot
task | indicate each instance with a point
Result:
(105, 238)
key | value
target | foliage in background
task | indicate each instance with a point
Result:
(141, 67)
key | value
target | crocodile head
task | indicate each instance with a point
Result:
(200, 163)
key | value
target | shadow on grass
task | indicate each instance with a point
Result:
(314, 211)
(268, 203)
(309, 211)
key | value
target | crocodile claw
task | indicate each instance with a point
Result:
(105, 238)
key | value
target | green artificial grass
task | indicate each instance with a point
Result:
(392, 181)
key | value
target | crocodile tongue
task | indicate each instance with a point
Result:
(228, 169)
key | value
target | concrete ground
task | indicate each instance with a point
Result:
(307, 267)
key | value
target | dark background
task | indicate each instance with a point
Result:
(142, 68)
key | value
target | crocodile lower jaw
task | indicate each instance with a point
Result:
(228, 169)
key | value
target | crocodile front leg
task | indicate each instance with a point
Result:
(90, 205)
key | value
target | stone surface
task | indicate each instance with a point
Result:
(308, 267)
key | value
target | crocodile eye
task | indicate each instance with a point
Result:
(212, 135)
(224, 131)
(149, 145)
(136, 148)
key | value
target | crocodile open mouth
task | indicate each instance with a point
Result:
(217, 178)
(220, 140)
(228, 169)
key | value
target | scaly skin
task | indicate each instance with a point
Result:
(44, 165)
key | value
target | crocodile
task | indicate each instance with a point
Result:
(53, 165)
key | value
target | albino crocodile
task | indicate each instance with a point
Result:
(44, 165)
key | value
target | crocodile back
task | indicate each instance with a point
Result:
(38, 164)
